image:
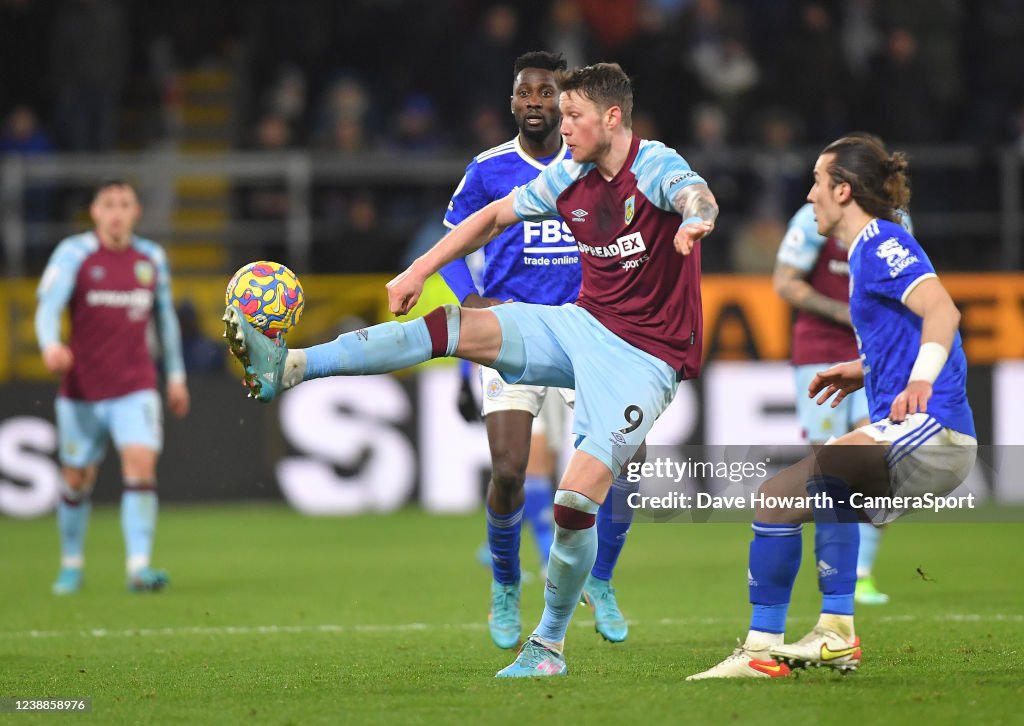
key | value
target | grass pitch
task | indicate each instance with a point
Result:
(276, 618)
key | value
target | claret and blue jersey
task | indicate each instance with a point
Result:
(112, 296)
(535, 261)
(886, 264)
(635, 283)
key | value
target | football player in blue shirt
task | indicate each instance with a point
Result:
(922, 439)
(534, 262)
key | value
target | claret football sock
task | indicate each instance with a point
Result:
(386, 347)
(773, 565)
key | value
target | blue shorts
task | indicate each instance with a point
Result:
(820, 423)
(620, 389)
(84, 426)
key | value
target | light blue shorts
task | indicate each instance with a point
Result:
(820, 423)
(85, 426)
(620, 389)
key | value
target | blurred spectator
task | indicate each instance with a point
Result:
(613, 22)
(901, 107)
(819, 97)
(491, 51)
(415, 126)
(782, 176)
(343, 115)
(366, 242)
(565, 32)
(89, 55)
(286, 98)
(201, 353)
(717, 53)
(22, 135)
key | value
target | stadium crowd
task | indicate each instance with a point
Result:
(778, 78)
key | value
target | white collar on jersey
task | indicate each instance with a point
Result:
(533, 162)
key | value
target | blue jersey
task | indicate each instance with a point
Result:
(886, 264)
(535, 261)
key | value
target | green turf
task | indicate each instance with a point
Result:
(276, 618)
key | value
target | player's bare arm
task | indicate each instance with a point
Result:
(699, 210)
(476, 300)
(837, 382)
(58, 358)
(940, 320)
(473, 233)
(791, 286)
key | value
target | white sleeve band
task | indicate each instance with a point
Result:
(930, 360)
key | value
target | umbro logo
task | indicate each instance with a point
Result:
(579, 215)
(269, 377)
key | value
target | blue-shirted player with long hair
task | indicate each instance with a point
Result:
(813, 275)
(922, 439)
(114, 285)
(532, 262)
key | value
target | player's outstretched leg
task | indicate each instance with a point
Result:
(138, 523)
(572, 556)
(771, 570)
(832, 643)
(867, 592)
(270, 367)
(613, 521)
(72, 523)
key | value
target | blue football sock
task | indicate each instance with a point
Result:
(537, 511)
(773, 564)
(503, 533)
(72, 523)
(572, 556)
(836, 540)
(870, 537)
(384, 348)
(613, 521)
(138, 523)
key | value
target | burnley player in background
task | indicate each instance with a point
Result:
(532, 262)
(813, 275)
(921, 440)
(633, 334)
(113, 284)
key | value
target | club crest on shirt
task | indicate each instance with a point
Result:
(630, 208)
(144, 272)
(97, 273)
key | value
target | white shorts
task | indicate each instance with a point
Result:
(924, 457)
(548, 411)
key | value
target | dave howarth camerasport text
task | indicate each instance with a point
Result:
(664, 468)
(754, 500)
(703, 500)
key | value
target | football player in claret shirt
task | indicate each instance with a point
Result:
(638, 212)
(532, 262)
(921, 440)
(113, 285)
